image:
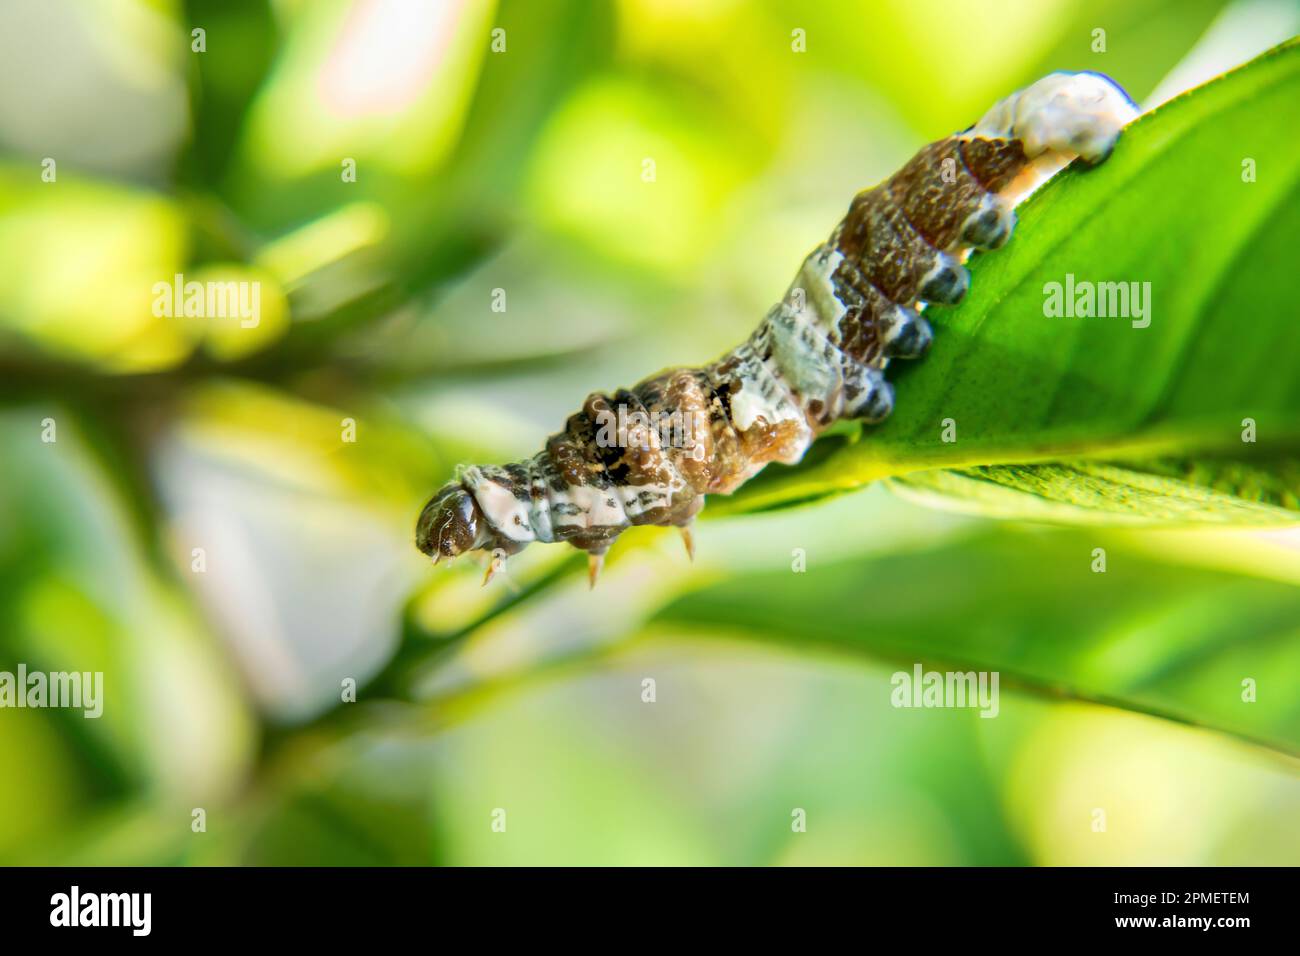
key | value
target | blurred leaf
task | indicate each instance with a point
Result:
(458, 217)
(305, 512)
(1144, 40)
(241, 41)
(364, 802)
(1024, 387)
(1169, 641)
(440, 224)
(79, 592)
(590, 173)
(81, 260)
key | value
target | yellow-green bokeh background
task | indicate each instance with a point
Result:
(522, 171)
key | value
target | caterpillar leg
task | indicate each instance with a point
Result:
(595, 564)
(990, 225)
(688, 539)
(867, 395)
(945, 283)
(905, 334)
(495, 565)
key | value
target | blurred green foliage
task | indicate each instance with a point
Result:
(521, 170)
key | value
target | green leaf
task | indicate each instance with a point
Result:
(1162, 490)
(1171, 208)
(1165, 640)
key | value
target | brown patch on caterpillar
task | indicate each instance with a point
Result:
(723, 437)
(650, 454)
(878, 240)
(761, 443)
(937, 191)
(687, 393)
(995, 163)
(860, 331)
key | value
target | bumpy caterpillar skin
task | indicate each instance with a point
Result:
(650, 454)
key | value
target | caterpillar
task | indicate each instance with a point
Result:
(649, 455)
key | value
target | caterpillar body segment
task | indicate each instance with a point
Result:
(652, 453)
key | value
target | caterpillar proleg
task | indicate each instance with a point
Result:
(652, 453)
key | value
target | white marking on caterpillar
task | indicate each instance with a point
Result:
(1080, 114)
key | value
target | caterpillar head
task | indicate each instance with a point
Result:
(450, 524)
